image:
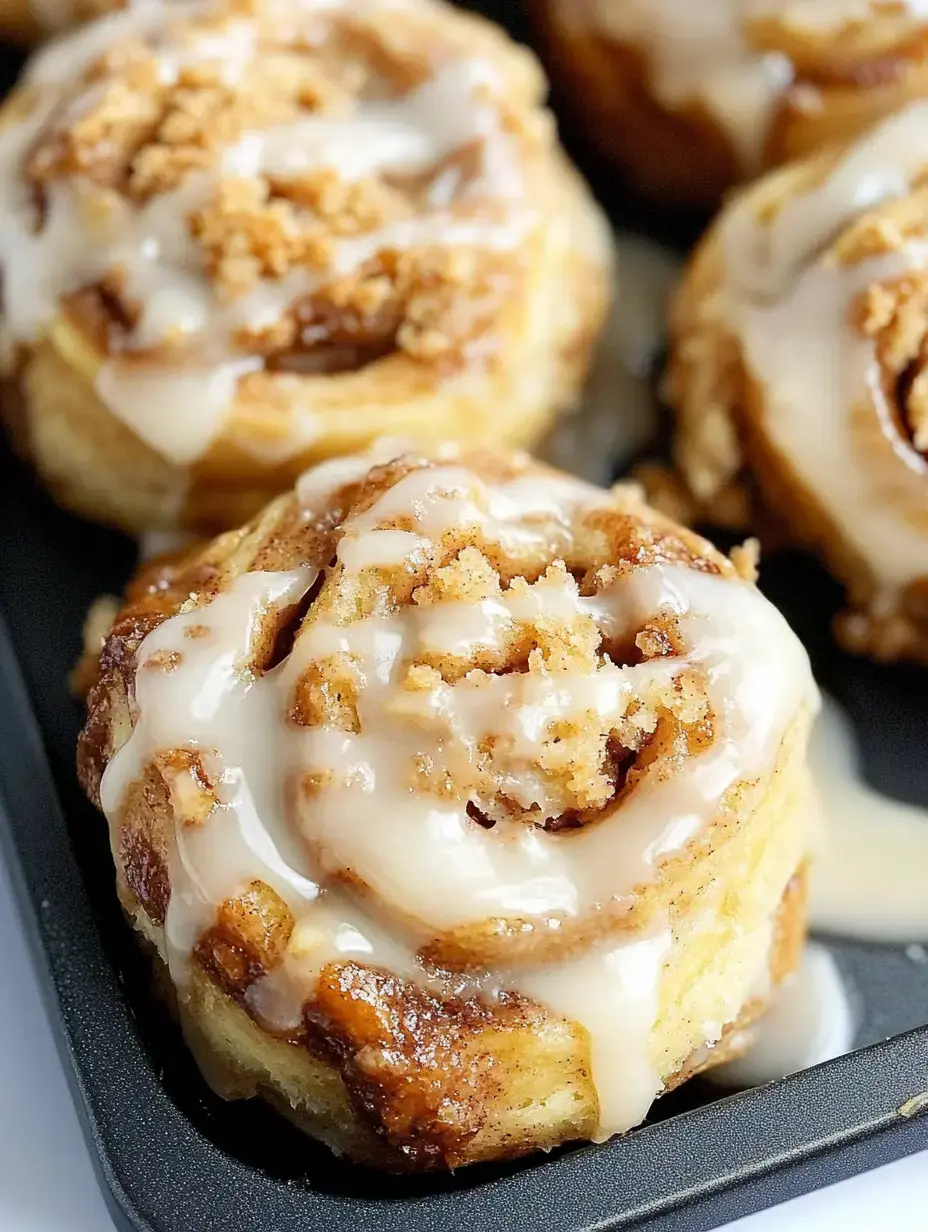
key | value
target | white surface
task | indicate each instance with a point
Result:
(47, 1182)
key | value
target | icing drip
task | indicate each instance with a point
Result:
(614, 993)
(230, 721)
(869, 878)
(179, 405)
(809, 1021)
(298, 805)
(790, 305)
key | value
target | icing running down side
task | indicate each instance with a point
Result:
(178, 401)
(790, 302)
(810, 1021)
(318, 810)
(868, 880)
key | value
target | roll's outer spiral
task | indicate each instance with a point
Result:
(237, 238)
(797, 371)
(466, 803)
(691, 98)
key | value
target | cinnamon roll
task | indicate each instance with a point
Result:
(688, 97)
(235, 238)
(464, 802)
(797, 366)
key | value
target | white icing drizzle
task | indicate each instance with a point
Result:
(790, 307)
(180, 407)
(424, 853)
(230, 720)
(613, 992)
(868, 880)
(768, 257)
(809, 1021)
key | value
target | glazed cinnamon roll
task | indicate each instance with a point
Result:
(466, 803)
(799, 369)
(235, 238)
(691, 96)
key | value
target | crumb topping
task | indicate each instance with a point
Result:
(342, 182)
(895, 316)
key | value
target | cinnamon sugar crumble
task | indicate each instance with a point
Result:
(583, 759)
(884, 230)
(164, 661)
(893, 314)
(746, 559)
(151, 115)
(193, 796)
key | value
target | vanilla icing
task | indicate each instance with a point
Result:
(180, 408)
(422, 853)
(868, 880)
(810, 1020)
(789, 303)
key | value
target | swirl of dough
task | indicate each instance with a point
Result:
(235, 239)
(691, 98)
(800, 344)
(480, 726)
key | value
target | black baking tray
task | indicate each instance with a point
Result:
(172, 1157)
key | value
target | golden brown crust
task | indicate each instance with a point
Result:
(422, 1081)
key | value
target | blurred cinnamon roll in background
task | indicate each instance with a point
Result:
(688, 97)
(800, 340)
(466, 803)
(235, 238)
